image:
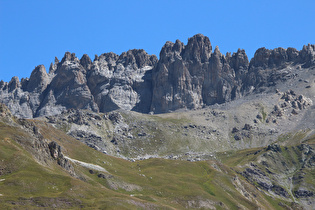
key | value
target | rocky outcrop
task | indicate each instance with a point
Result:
(56, 154)
(264, 67)
(186, 76)
(38, 81)
(122, 81)
(283, 171)
(192, 76)
(289, 103)
(223, 80)
(68, 88)
(177, 84)
(109, 82)
(307, 55)
(6, 115)
(15, 98)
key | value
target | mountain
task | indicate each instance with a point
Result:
(193, 130)
(185, 77)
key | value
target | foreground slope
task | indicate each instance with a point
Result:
(38, 170)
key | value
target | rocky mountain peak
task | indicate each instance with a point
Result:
(70, 57)
(308, 49)
(217, 52)
(39, 79)
(216, 61)
(53, 66)
(279, 57)
(122, 81)
(178, 46)
(292, 54)
(14, 84)
(307, 55)
(167, 51)
(108, 57)
(239, 61)
(56, 60)
(2, 84)
(105, 60)
(261, 58)
(137, 57)
(86, 62)
(198, 49)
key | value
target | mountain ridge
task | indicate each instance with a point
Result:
(185, 77)
(224, 132)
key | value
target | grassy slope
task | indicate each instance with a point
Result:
(164, 184)
(280, 166)
(159, 183)
(29, 184)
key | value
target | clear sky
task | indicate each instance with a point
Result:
(33, 32)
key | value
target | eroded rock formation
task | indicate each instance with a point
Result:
(186, 76)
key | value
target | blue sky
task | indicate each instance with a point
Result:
(33, 32)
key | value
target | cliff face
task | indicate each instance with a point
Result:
(122, 81)
(109, 82)
(192, 76)
(186, 76)
(179, 75)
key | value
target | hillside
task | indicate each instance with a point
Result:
(194, 129)
(44, 167)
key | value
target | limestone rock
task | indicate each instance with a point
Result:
(173, 78)
(192, 76)
(69, 87)
(53, 67)
(39, 80)
(198, 49)
(122, 81)
(14, 84)
(86, 62)
(56, 153)
(185, 77)
(307, 55)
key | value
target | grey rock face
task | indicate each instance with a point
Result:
(15, 98)
(56, 154)
(186, 76)
(192, 76)
(39, 80)
(122, 81)
(109, 82)
(68, 87)
(179, 75)
(307, 55)
(265, 65)
(86, 62)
